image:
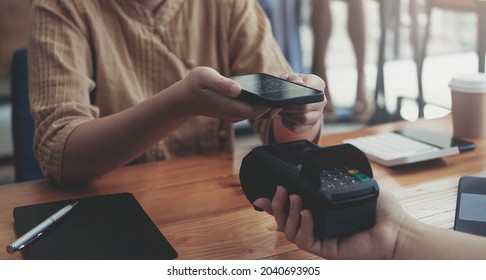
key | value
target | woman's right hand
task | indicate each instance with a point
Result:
(205, 92)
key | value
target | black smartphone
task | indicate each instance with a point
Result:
(471, 206)
(436, 139)
(274, 92)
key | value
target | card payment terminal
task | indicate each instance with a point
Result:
(336, 183)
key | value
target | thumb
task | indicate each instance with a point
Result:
(209, 78)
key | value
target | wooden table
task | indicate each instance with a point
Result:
(198, 204)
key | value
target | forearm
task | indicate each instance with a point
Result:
(102, 145)
(420, 241)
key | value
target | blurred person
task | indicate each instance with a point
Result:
(285, 18)
(321, 22)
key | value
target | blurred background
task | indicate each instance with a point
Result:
(396, 94)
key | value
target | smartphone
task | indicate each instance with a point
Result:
(471, 206)
(438, 140)
(274, 92)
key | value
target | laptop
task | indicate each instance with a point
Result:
(409, 145)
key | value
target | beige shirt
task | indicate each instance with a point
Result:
(92, 58)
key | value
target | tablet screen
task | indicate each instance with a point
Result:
(472, 207)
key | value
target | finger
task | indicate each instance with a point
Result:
(280, 207)
(305, 238)
(296, 128)
(314, 81)
(317, 106)
(271, 113)
(307, 118)
(306, 224)
(228, 87)
(293, 77)
(210, 79)
(299, 127)
(264, 204)
(240, 110)
(293, 221)
(264, 112)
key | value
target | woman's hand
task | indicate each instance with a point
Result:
(304, 121)
(206, 92)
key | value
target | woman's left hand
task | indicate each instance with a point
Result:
(305, 119)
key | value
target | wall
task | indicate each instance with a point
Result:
(14, 25)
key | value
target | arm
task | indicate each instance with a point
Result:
(101, 145)
(420, 241)
(395, 235)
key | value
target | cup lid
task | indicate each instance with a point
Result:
(470, 83)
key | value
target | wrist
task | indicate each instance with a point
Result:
(408, 234)
(177, 100)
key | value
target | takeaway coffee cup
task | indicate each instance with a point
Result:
(468, 93)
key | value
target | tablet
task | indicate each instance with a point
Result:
(274, 92)
(103, 227)
(409, 145)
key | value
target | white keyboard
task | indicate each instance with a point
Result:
(392, 149)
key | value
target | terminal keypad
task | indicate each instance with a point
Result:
(346, 177)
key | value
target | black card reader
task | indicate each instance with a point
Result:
(336, 183)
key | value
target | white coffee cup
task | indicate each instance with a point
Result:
(468, 93)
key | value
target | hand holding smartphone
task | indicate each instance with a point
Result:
(274, 92)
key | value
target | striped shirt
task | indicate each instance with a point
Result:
(93, 58)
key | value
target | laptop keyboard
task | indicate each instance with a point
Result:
(389, 146)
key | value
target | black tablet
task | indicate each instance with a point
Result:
(104, 227)
(274, 92)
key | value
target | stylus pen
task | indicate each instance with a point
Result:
(32, 234)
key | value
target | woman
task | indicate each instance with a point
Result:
(114, 82)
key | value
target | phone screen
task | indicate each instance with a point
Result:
(272, 91)
(473, 207)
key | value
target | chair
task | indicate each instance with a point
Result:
(26, 166)
(389, 17)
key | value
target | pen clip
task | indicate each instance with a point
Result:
(28, 242)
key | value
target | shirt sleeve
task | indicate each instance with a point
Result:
(60, 86)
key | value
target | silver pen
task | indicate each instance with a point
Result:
(32, 234)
